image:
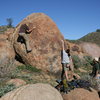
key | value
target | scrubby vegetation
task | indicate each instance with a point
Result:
(7, 68)
(3, 29)
(83, 63)
(26, 73)
(28, 68)
(6, 88)
(80, 62)
(29, 74)
(76, 61)
(93, 81)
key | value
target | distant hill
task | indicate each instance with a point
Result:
(93, 37)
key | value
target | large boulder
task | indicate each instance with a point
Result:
(45, 41)
(7, 56)
(37, 91)
(3, 37)
(81, 94)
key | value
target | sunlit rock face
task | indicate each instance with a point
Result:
(45, 41)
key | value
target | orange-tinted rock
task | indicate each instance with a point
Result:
(7, 56)
(45, 41)
(16, 82)
(81, 94)
(10, 33)
(3, 37)
(7, 35)
(37, 91)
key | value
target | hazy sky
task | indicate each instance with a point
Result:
(74, 18)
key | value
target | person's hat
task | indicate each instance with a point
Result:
(96, 59)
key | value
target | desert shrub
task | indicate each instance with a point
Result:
(93, 81)
(88, 60)
(84, 62)
(28, 68)
(27, 78)
(76, 61)
(5, 89)
(3, 29)
(6, 67)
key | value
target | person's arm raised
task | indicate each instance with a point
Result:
(62, 44)
(29, 31)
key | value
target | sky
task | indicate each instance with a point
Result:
(74, 18)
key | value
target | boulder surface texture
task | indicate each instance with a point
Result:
(45, 41)
(37, 91)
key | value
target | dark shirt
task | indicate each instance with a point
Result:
(99, 67)
(23, 28)
(95, 68)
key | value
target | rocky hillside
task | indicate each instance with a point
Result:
(89, 43)
(93, 37)
(91, 48)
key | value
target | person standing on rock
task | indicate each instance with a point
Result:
(24, 31)
(65, 62)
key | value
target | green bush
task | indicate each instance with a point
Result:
(88, 59)
(76, 61)
(5, 89)
(28, 68)
(82, 62)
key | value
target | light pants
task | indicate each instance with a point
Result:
(26, 38)
(98, 82)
